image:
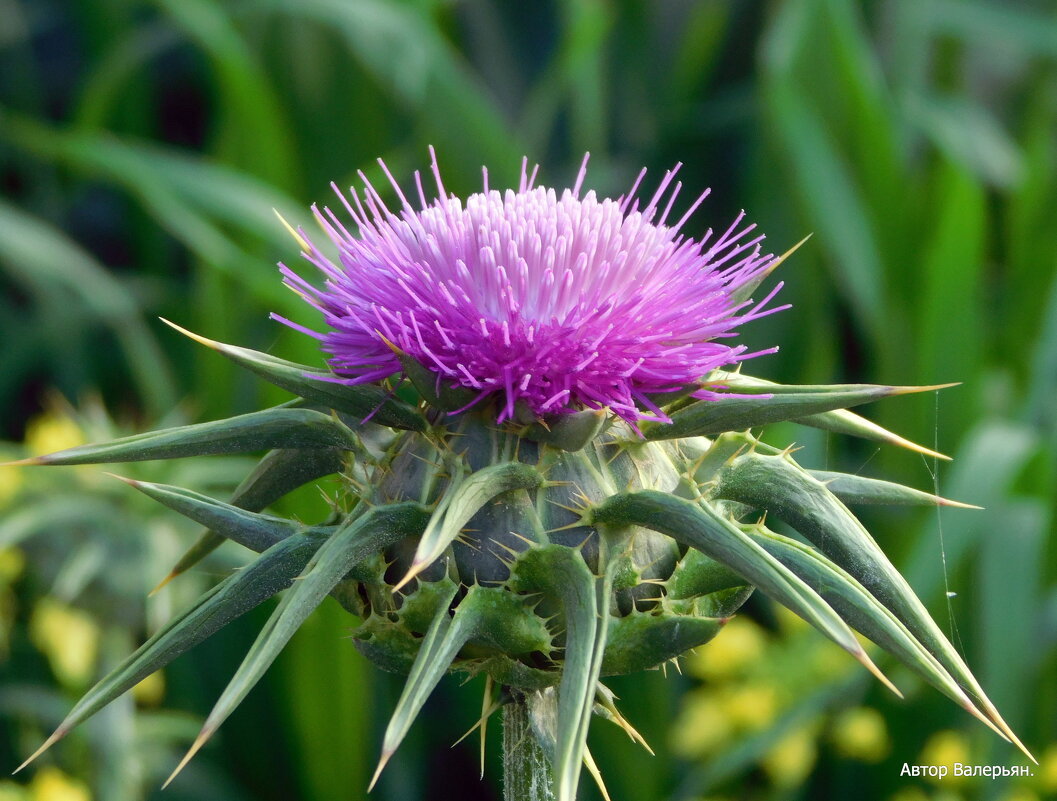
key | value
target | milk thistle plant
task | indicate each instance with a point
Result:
(576, 493)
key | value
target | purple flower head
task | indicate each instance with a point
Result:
(556, 301)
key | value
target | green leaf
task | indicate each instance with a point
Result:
(446, 635)
(435, 389)
(839, 421)
(701, 527)
(279, 427)
(779, 486)
(860, 609)
(854, 489)
(561, 571)
(568, 432)
(462, 500)
(705, 417)
(369, 532)
(641, 641)
(271, 572)
(278, 473)
(743, 293)
(255, 531)
(486, 616)
(360, 400)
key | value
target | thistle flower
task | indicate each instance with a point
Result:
(558, 302)
(572, 498)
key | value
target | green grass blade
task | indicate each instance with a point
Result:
(432, 77)
(833, 201)
(38, 254)
(254, 131)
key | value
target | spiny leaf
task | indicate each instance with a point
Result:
(568, 432)
(854, 489)
(255, 531)
(446, 635)
(279, 427)
(359, 400)
(463, 499)
(485, 614)
(781, 403)
(278, 473)
(701, 527)
(839, 421)
(782, 488)
(642, 641)
(561, 571)
(856, 605)
(369, 532)
(271, 572)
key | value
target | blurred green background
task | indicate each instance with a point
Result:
(143, 146)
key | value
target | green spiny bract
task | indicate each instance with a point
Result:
(543, 553)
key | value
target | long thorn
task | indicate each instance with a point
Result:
(383, 760)
(868, 663)
(204, 735)
(57, 735)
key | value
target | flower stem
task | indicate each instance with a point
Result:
(526, 769)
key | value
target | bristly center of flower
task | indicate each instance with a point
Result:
(559, 302)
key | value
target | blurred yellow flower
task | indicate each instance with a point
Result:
(791, 760)
(861, 734)
(1047, 770)
(740, 645)
(750, 707)
(150, 691)
(702, 727)
(68, 637)
(945, 748)
(52, 431)
(51, 784)
(12, 562)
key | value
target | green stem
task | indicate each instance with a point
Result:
(526, 769)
